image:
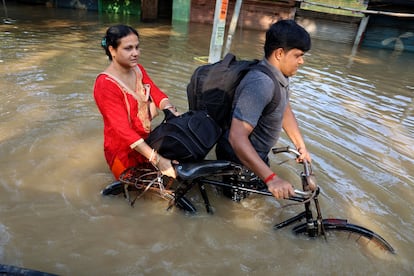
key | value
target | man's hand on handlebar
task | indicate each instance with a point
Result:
(280, 188)
(304, 155)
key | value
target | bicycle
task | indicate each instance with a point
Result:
(240, 182)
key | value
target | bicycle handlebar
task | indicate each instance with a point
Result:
(306, 165)
(285, 149)
(307, 168)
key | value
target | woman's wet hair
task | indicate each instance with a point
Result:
(113, 37)
(286, 34)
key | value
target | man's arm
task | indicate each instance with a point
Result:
(239, 140)
(290, 126)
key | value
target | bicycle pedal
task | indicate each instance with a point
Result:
(115, 188)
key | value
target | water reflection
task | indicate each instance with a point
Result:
(356, 113)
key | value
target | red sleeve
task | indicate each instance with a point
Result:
(156, 94)
(111, 103)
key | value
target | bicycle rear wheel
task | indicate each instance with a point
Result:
(342, 225)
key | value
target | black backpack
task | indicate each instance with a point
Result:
(188, 137)
(212, 87)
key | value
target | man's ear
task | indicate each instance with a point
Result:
(278, 53)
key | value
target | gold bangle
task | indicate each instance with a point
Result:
(152, 155)
(154, 158)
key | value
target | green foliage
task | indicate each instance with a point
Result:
(124, 7)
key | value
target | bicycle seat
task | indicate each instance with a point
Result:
(189, 171)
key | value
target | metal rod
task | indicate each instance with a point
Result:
(5, 9)
(361, 30)
(233, 25)
(217, 35)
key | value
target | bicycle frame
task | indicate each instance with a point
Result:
(192, 174)
(242, 180)
(307, 182)
(228, 168)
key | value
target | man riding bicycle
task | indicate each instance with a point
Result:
(253, 132)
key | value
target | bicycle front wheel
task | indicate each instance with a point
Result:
(342, 225)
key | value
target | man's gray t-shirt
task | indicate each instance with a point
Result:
(253, 94)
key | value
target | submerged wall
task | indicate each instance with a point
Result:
(390, 33)
(396, 33)
(257, 15)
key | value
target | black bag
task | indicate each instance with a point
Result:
(212, 87)
(188, 137)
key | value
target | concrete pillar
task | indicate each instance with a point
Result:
(181, 10)
(361, 30)
(219, 27)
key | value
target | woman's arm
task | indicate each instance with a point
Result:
(160, 99)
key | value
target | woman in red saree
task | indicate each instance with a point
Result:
(128, 100)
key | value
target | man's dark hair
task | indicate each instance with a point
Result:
(286, 34)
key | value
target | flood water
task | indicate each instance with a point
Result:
(356, 112)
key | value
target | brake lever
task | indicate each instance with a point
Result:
(303, 194)
(300, 196)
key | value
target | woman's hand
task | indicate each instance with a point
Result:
(166, 168)
(171, 108)
(159, 162)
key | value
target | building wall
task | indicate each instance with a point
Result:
(389, 32)
(257, 15)
(330, 27)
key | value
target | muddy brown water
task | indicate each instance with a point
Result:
(355, 111)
